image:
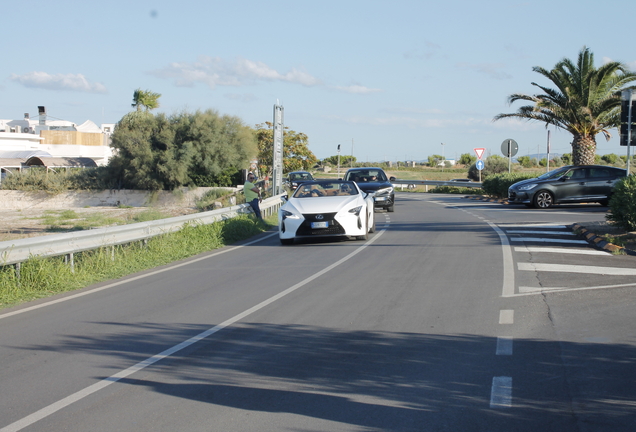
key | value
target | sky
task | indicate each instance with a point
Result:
(385, 80)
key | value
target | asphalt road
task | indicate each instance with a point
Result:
(455, 315)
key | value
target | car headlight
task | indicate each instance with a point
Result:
(384, 191)
(526, 187)
(356, 210)
(287, 214)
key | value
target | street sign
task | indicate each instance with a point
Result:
(480, 164)
(509, 148)
(479, 152)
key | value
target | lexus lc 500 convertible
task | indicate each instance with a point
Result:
(326, 208)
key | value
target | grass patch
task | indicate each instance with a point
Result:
(43, 277)
(69, 220)
(147, 216)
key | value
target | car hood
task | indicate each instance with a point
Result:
(522, 182)
(323, 204)
(373, 186)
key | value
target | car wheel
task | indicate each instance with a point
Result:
(543, 199)
(287, 241)
(390, 209)
(372, 227)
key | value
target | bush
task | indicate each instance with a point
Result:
(497, 185)
(623, 204)
(494, 164)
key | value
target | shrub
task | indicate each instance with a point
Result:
(497, 185)
(623, 204)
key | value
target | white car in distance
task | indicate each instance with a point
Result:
(326, 208)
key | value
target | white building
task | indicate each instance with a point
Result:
(57, 138)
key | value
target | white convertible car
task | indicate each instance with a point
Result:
(326, 208)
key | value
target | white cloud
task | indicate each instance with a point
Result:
(490, 69)
(357, 89)
(214, 71)
(62, 82)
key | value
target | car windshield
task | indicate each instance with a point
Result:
(300, 176)
(554, 174)
(367, 175)
(325, 189)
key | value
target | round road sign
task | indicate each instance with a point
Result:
(509, 147)
(480, 164)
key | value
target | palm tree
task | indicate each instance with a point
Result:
(586, 101)
(146, 99)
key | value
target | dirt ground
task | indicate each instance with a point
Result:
(18, 224)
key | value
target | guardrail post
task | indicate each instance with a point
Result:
(17, 270)
(70, 260)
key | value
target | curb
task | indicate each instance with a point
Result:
(599, 242)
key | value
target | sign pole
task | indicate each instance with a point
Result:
(547, 169)
(629, 129)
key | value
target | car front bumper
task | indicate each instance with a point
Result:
(383, 200)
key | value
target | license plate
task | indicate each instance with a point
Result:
(320, 224)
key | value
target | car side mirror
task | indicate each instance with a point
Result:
(392, 178)
(284, 197)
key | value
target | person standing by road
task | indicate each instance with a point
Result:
(253, 194)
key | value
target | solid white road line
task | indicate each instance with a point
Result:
(501, 392)
(564, 268)
(531, 249)
(62, 403)
(538, 225)
(525, 291)
(546, 240)
(565, 233)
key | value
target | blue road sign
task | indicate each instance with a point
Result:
(480, 164)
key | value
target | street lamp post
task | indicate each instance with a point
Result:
(338, 160)
(443, 156)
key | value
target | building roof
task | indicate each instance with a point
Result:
(61, 162)
(11, 162)
(23, 154)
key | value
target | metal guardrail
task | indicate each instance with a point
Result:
(17, 251)
(409, 184)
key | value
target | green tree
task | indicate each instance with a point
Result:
(610, 158)
(434, 160)
(467, 159)
(223, 145)
(145, 99)
(296, 153)
(161, 152)
(147, 156)
(345, 160)
(586, 101)
(566, 158)
(525, 161)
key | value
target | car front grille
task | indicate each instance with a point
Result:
(512, 195)
(334, 228)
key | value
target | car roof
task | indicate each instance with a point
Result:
(365, 169)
